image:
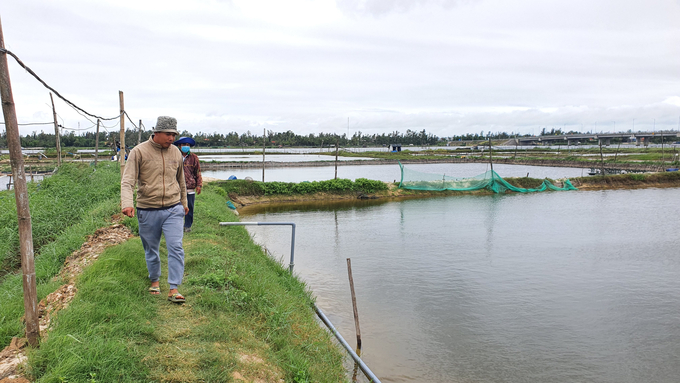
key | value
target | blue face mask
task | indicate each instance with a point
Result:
(184, 149)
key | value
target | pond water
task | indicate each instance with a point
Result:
(573, 286)
(4, 180)
(277, 158)
(626, 146)
(391, 173)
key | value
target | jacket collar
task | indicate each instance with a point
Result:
(154, 143)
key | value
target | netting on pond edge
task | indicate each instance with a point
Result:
(415, 180)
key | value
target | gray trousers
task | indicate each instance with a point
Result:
(170, 222)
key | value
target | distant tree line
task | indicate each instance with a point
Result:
(233, 139)
(270, 138)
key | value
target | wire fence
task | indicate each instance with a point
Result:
(87, 115)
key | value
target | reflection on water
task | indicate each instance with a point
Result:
(5, 180)
(392, 173)
(549, 287)
(278, 158)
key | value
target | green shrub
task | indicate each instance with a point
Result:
(369, 186)
(335, 186)
(275, 188)
(240, 187)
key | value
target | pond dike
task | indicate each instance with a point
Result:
(510, 161)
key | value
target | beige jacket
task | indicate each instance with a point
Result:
(159, 175)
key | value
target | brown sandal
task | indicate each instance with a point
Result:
(176, 298)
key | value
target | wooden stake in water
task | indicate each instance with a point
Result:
(601, 158)
(264, 141)
(490, 154)
(336, 158)
(354, 302)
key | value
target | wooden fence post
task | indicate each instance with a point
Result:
(96, 145)
(121, 156)
(21, 195)
(56, 131)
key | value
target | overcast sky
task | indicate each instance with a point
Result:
(446, 66)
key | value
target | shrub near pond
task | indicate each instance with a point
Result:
(335, 186)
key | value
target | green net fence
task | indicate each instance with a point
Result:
(415, 180)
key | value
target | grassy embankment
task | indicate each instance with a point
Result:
(246, 316)
(628, 181)
(248, 193)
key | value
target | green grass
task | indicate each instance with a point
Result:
(244, 313)
(69, 233)
(56, 203)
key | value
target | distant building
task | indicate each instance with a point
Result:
(394, 148)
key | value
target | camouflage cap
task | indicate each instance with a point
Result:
(166, 124)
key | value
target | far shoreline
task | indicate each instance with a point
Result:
(643, 167)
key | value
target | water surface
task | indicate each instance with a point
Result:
(545, 287)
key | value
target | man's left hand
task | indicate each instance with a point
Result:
(198, 190)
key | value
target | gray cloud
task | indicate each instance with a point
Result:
(447, 67)
(378, 8)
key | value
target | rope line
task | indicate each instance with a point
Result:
(128, 117)
(32, 123)
(30, 71)
(76, 129)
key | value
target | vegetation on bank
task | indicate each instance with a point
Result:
(629, 181)
(246, 316)
(241, 192)
(64, 210)
(335, 186)
(57, 203)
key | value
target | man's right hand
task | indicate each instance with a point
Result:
(129, 211)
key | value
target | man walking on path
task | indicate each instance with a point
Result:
(192, 177)
(156, 167)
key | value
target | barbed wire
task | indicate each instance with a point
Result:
(30, 71)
